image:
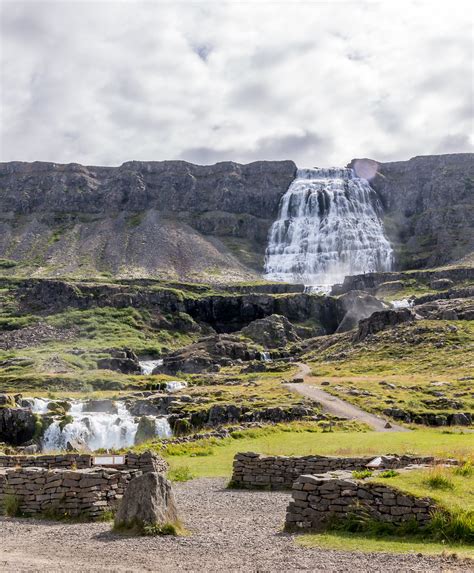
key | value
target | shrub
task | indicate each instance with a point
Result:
(362, 474)
(181, 474)
(388, 474)
(438, 479)
(165, 529)
(466, 470)
(11, 505)
(452, 526)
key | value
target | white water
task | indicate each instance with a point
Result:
(175, 385)
(96, 429)
(328, 227)
(266, 356)
(402, 303)
(147, 366)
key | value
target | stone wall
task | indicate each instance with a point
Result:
(145, 462)
(319, 500)
(279, 472)
(69, 493)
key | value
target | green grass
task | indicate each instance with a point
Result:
(456, 491)
(213, 458)
(345, 541)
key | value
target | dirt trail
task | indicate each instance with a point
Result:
(229, 530)
(337, 406)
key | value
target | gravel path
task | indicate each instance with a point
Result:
(337, 406)
(230, 530)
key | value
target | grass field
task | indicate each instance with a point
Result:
(344, 541)
(213, 458)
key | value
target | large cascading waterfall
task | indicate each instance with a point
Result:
(328, 227)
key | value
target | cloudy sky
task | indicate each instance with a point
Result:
(103, 82)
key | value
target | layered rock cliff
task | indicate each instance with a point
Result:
(169, 219)
(428, 207)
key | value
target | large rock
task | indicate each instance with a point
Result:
(17, 425)
(381, 320)
(148, 500)
(274, 331)
(208, 354)
(355, 306)
(125, 361)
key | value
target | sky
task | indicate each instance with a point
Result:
(104, 82)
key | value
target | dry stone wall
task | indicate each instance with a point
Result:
(319, 500)
(279, 472)
(145, 462)
(72, 493)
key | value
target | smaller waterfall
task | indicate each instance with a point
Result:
(96, 430)
(328, 227)
(147, 366)
(265, 356)
(175, 385)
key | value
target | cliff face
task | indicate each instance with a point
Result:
(177, 220)
(428, 207)
(169, 218)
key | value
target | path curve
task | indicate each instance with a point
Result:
(336, 406)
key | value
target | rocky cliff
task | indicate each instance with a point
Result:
(428, 206)
(176, 220)
(170, 218)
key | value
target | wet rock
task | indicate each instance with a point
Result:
(106, 406)
(146, 429)
(148, 500)
(17, 425)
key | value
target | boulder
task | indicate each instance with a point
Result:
(17, 425)
(381, 320)
(447, 309)
(125, 361)
(355, 306)
(148, 500)
(441, 284)
(106, 406)
(146, 429)
(273, 331)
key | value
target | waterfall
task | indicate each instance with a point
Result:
(98, 429)
(328, 227)
(147, 366)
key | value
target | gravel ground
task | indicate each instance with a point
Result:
(230, 530)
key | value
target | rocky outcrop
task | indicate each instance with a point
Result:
(450, 309)
(371, 282)
(207, 355)
(168, 218)
(17, 425)
(223, 312)
(381, 320)
(125, 361)
(428, 206)
(273, 331)
(355, 306)
(148, 501)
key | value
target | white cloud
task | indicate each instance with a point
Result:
(105, 82)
